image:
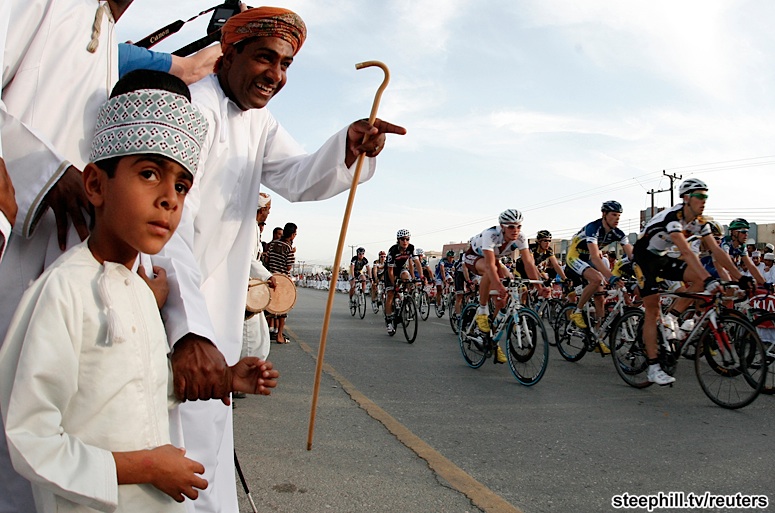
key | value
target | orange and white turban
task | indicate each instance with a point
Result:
(265, 22)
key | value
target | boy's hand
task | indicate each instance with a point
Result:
(7, 200)
(157, 283)
(174, 474)
(253, 376)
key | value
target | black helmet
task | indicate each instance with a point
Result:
(612, 206)
(544, 234)
(360, 250)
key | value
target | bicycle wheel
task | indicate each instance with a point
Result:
(528, 353)
(473, 348)
(409, 319)
(353, 306)
(765, 327)
(361, 304)
(424, 305)
(627, 349)
(441, 305)
(570, 339)
(731, 364)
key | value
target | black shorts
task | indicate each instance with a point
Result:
(574, 278)
(460, 282)
(648, 267)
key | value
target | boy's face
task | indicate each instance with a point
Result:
(139, 208)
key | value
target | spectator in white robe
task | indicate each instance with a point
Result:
(769, 269)
(255, 333)
(57, 65)
(210, 254)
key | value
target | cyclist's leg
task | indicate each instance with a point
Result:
(352, 287)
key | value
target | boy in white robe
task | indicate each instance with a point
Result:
(84, 377)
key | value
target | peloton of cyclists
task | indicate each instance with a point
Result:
(359, 270)
(483, 258)
(585, 261)
(401, 263)
(651, 261)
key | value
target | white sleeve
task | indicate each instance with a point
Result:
(300, 177)
(38, 378)
(258, 271)
(33, 164)
(5, 233)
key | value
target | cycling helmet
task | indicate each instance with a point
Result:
(403, 233)
(612, 206)
(450, 253)
(692, 184)
(739, 224)
(419, 252)
(544, 234)
(716, 229)
(510, 216)
(506, 260)
(360, 250)
(382, 253)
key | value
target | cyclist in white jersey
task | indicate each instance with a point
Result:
(483, 258)
(652, 261)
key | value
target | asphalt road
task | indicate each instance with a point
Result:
(410, 428)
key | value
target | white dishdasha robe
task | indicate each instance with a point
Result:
(208, 259)
(52, 88)
(72, 390)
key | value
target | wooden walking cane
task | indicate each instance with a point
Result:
(340, 248)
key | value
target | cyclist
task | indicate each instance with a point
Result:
(734, 245)
(444, 270)
(585, 261)
(543, 256)
(359, 270)
(651, 261)
(401, 263)
(377, 274)
(462, 281)
(483, 258)
(425, 274)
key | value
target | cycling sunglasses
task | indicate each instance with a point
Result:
(699, 195)
(403, 238)
(513, 226)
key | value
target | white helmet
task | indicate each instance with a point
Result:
(419, 252)
(510, 216)
(403, 233)
(692, 184)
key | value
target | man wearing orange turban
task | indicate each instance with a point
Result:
(208, 259)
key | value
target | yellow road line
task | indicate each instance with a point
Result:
(481, 496)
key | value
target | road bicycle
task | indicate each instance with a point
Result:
(442, 303)
(730, 361)
(574, 342)
(468, 298)
(358, 300)
(404, 310)
(422, 300)
(378, 299)
(528, 346)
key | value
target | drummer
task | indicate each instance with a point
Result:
(281, 259)
(255, 330)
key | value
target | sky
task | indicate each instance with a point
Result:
(547, 106)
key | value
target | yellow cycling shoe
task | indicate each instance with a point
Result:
(578, 320)
(602, 348)
(483, 323)
(500, 355)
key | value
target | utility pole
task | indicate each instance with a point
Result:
(672, 179)
(652, 192)
(352, 250)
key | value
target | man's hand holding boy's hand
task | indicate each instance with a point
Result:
(157, 283)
